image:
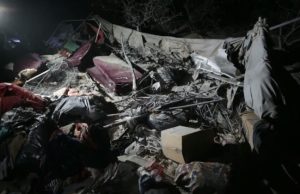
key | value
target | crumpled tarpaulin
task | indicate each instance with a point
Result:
(261, 89)
(12, 96)
(265, 83)
(212, 49)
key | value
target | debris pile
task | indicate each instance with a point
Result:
(120, 111)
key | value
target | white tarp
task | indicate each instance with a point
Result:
(211, 49)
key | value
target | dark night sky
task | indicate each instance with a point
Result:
(36, 19)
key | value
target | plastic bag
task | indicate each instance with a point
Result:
(81, 109)
(34, 148)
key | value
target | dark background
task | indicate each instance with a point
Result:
(210, 18)
(36, 19)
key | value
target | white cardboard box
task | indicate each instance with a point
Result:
(185, 144)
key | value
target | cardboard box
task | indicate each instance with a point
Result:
(249, 119)
(185, 144)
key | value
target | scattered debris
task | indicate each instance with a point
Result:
(200, 176)
(166, 109)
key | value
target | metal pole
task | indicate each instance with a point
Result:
(285, 23)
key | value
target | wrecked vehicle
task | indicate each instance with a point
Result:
(130, 112)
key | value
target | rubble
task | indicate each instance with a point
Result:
(202, 176)
(168, 105)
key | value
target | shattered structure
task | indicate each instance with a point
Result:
(116, 110)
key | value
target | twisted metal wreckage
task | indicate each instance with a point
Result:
(113, 93)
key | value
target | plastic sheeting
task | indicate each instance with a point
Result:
(76, 108)
(264, 89)
(34, 148)
(167, 120)
(211, 49)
